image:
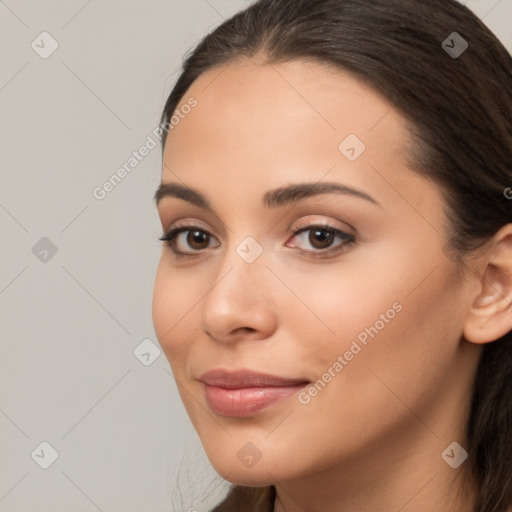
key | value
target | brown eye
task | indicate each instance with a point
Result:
(321, 238)
(196, 239)
(187, 239)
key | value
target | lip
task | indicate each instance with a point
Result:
(243, 393)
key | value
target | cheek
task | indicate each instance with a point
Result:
(330, 305)
(163, 304)
(172, 308)
(406, 357)
(398, 319)
(397, 344)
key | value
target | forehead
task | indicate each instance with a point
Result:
(258, 125)
(295, 99)
(267, 105)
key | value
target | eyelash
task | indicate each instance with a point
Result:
(348, 240)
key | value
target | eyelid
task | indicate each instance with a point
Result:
(189, 214)
(320, 221)
(185, 223)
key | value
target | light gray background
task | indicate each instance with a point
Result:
(70, 324)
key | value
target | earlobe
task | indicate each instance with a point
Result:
(490, 315)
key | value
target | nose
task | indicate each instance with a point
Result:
(239, 303)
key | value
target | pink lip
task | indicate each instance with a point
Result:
(244, 392)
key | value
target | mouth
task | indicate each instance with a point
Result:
(244, 393)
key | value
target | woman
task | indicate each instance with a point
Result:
(334, 294)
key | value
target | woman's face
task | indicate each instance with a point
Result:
(362, 303)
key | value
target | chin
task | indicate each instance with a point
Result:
(248, 478)
(259, 473)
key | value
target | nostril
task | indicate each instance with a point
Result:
(245, 329)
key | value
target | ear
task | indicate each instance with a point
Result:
(490, 316)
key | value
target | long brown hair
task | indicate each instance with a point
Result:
(460, 110)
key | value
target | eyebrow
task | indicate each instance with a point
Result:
(272, 199)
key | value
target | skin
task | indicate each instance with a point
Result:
(372, 438)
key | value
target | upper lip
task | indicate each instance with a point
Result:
(245, 379)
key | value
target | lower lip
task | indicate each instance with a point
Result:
(246, 401)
